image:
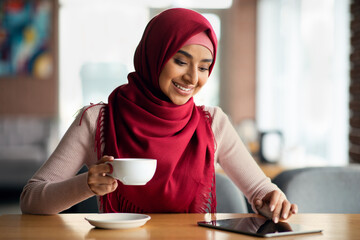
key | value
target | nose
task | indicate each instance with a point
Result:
(191, 75)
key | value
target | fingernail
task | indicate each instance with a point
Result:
(272, 208)
(276, 220)
(285, 216)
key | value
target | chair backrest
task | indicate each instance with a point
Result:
(24, 147)
(322, 189)
(229, 198)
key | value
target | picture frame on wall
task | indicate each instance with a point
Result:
(27, 38)
(29, 58)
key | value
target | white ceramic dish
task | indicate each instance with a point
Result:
(118, 220)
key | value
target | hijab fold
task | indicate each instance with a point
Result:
(140, 121)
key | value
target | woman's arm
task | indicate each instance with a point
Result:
(242, 169)
(55, 186)
(235, 159)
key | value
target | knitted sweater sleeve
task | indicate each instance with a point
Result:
(233, 157)
(55, 186)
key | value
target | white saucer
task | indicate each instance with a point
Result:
(118, 220)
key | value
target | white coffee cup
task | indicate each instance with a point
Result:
(133, 171)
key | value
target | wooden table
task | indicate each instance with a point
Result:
(165, 226)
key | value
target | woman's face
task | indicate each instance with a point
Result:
(185, 73)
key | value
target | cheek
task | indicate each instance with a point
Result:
(164, 87)
(203, 80)
(169, 72)
(164, 80)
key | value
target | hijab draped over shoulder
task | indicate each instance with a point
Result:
(140, 121)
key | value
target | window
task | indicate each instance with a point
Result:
(97, 44)
(303, 78)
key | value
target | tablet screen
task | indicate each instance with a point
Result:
(258, 227)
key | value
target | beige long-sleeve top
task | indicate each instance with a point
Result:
(56, 187)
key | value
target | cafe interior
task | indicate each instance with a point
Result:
(287, 76)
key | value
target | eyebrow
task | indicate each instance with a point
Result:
(191, 57)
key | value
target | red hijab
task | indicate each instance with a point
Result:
(140, 121)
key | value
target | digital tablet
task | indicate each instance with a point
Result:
(259, 227)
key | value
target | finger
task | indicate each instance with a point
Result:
(258, 203)
(103, 189)
(277, 211)
(274, 199)
(285, 211)
(97, 176)
(105, 158)
(99, 169)
(263, 208)
(101, 180)
(294, 209)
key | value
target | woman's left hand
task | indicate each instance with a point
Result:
(275, 206)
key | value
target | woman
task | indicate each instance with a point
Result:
(154, 116)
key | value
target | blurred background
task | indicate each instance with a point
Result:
(282, 75)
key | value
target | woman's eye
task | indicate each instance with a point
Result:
(179, 62)
(203, 69)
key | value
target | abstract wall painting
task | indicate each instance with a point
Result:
(25, 38)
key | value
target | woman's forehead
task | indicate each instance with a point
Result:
(196, 51)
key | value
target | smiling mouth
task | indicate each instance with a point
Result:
(182, 88)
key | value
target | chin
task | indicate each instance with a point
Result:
(179, 102)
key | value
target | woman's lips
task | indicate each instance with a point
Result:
(182, 88)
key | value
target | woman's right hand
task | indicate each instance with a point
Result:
(98, 180)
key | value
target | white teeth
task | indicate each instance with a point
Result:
(182, 88)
